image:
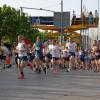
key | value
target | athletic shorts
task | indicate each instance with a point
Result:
(82, 58)
(55, 58)
(49, 55)
(66, 58)
(3, 57)
(87, 60)
(93, 58)
(72, 54)
(0, 56)
(23, 58)
(98, 57)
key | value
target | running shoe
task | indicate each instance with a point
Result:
(44, 69)
(21, 77)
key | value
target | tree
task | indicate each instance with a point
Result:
(8, 21)
(12, 24)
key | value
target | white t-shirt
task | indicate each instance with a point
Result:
(80, 52)
(64, 53)
(50, 48)
(71, 46)
(56, 51)
(22, 50)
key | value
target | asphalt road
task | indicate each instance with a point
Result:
(74, 85)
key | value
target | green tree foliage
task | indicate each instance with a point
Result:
(12, 23)
(32, 34)
(8, 21)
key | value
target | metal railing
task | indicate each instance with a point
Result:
(85, 21)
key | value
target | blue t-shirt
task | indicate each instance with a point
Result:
(38, 46)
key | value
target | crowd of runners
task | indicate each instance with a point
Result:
(50, 55)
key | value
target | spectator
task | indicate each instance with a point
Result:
(73, 18)
(96, 17)
(74, 15)
(90, 18)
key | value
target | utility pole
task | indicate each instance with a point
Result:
(81, 7)
(61, 36)
(81, 23)
(61, 16)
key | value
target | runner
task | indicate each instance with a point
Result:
(95, 52)
(22, 55)
(38, 46)
(5, 52)
(72, 46)
(65, 57)
(55, 56)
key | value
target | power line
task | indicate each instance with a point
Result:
(37, 9)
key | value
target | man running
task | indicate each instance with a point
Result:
(71, 45)
(22, 55)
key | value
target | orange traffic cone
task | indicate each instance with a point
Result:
(8, 60)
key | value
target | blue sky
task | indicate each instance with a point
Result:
(69, 5)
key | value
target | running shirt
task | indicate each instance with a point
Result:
(71, 46)
(64, 53)
(80, 52)
(22, 50)
(50, 47)
(97, 52)
(38, 50)
(56, 51)
(5, 50)
(94, 48)
(87, 57)
(38, 46)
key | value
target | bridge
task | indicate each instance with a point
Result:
(76, 25)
